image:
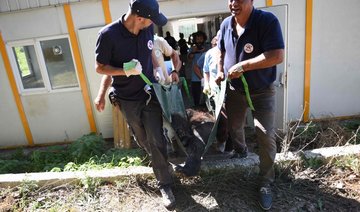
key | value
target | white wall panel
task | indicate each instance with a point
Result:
(335, 71)
(11, 129)
(34, 23)
(56, 117)
(118, 8)
(87, 14)
(103, 119)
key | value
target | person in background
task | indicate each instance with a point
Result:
(161, 48)
(195, 52)
(123, 52)
(210, 69)
(182, 44)
(251, 45)
(171, 40)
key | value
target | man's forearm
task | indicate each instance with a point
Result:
(176, 61)
(109, 70)
(221, 62)
(104, 85)
(265, 60)
(197, 71)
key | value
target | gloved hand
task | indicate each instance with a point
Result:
(159, 75)
(207, 89)
(133, 67)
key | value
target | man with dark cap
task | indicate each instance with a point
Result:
(123, 53)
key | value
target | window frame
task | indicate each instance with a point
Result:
(42, 66)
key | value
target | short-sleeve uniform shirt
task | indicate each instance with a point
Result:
(116, 46)
(194, 77)
(262, 33)
(162, 47)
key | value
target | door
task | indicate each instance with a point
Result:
(281, 12)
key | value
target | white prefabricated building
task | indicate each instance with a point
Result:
(318, 79)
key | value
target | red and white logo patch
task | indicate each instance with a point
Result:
(248, 48)
(150, 44)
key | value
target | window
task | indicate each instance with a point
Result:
(45, 64)
(28, 66)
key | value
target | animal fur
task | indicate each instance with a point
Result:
(193, 132)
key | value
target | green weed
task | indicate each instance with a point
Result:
(351, 162)
(90, 184)
(313, 163)
(86, 153)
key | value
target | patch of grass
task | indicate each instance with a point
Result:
(86, 153)
(353, 127)
(26, 190)
(351, 162)
(90, 184)
(312, 135)
(313, 163)
(27, 187)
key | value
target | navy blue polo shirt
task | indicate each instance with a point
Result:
(116, 46)
(262, 33)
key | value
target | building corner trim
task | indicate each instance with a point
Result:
(15, 92)
(79, 67)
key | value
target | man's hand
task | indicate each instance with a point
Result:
(235, 71)
(219, 77)
(99, 103)
(175, 77)
(207, 89)
(159, 76)
(132, 68)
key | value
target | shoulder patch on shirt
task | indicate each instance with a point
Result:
(248, 48)
(158, 53)
(150, 44)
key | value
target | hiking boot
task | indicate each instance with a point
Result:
(265, 197)
(167, 197)
(237, 154)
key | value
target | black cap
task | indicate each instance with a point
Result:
(148, 9)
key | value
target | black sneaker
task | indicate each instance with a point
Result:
(167, 197)
(236, 154)
(265, 197)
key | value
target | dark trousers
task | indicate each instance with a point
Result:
(146, 122)
(264, 119)
(196, 91)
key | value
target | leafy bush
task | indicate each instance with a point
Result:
(14, 166)
(86, 147)
(87, 152)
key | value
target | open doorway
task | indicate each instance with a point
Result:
(209, 24)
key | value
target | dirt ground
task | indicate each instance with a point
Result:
(328, 188)
(298, 187)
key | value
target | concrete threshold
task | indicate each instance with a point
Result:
(246, 164)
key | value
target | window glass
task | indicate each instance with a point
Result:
(59, 63)
(28, 67)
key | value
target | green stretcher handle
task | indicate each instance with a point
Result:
(130, 65)
(146, 80)
(247, 93)
(186, 87)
